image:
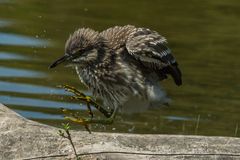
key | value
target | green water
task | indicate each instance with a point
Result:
(204, 36)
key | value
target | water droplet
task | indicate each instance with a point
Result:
(131, 129)
(154, 128)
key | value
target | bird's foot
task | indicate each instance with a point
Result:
(75, 117)
(78, 95)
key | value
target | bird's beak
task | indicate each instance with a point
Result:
(59, 61)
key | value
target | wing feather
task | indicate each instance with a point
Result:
(151, 49)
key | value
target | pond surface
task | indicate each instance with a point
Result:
(204, 36)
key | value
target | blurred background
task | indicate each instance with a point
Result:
(203, 35)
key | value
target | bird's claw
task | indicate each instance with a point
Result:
(75, 116)
(72, 90)
(86, 99)
(80, 121)
(79, 96)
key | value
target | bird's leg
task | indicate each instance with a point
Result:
(78, 95)
(86, 121)
(87, 99)
(76, 117)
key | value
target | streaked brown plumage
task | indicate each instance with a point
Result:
(122, 65)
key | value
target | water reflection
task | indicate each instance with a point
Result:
(4, 23)
(178, 118)
(20, 40)
(12, 72)
(28, 88)
(12, 56)
(20, 101)
(38, 115)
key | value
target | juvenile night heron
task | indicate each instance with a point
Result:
(122, 65)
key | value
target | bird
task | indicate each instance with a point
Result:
(122, 65)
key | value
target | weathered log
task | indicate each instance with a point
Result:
(21, 138)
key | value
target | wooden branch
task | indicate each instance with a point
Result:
(25, 139)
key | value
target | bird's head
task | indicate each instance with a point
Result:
(81, 48)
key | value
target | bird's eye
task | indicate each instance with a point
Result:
(78, 52)
(81, 52)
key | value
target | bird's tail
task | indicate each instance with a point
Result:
(175, 72)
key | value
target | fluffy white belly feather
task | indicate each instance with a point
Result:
(156, 98)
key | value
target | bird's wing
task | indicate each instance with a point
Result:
(150, 48)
